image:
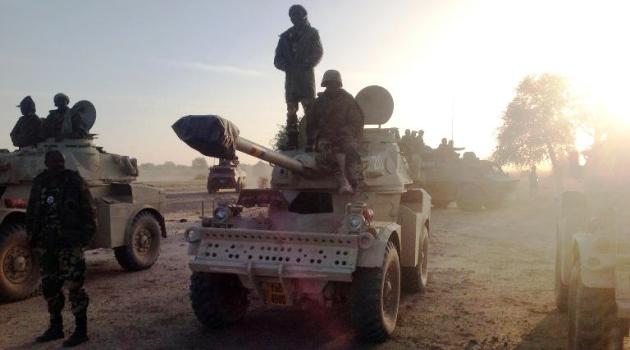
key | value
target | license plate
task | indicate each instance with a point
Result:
(274, 294)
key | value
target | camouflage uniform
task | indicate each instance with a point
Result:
(60, 222)
(64, 123)
(336, 122)
(27, 131)
(299, 50)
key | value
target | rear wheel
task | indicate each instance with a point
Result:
(593, 321)
(19, 270)
(376, 297)
(470, 198)
(142, 243)
(217, 300)
(415, 279)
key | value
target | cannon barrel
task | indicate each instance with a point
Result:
(264, 153)
(217, 137)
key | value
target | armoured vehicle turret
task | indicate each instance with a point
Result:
(128, 214)
(306, 243)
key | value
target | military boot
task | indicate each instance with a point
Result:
(342, 179)
(54, 331)
(80, 333)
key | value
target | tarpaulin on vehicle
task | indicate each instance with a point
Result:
(211, 135)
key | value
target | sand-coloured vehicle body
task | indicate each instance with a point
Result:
(128, 214)
(225, 175)
(308, 244)
(469, 181)
(592, 268)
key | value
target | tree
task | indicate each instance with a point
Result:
(538, 124)
(199, 163)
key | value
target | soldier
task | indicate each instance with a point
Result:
(28, 129)
(405, 142)
(299, 50)
(336, 125)
(64, 122)
(60, 223)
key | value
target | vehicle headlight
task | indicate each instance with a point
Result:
(355, 222)
(221, 214)
(192, 236)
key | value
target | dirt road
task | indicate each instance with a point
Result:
(491, 287)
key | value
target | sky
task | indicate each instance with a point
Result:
(451, 66)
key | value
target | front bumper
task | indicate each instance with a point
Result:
(277, 254)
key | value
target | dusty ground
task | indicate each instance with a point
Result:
(491, 287)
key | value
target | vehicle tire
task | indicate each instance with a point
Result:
(19, 270)
(415, 279)
(217, 299)
(494, 203)
(142, 243)
(593, 321)
(561, 289)
(470, 198)
(440, 204)
(376, 298)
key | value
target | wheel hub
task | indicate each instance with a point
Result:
(17, 264)
(143, 241)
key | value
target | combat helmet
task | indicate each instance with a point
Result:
(331, 75)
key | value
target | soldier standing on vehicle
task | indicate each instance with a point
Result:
(335, 125)
(64, 122)
(299, 50)
(60, 223)
(28, 129)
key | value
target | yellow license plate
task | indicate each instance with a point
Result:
(274, 294)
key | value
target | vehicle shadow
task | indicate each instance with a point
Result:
(550, 333)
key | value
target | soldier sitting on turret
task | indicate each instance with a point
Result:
(335, 126)
(28, 129)
(64, 122)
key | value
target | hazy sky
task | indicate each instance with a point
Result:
(146, 63)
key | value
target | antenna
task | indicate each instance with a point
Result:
(453, 120)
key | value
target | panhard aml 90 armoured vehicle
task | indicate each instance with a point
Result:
(470, 182)
(225, 175)
(309, 244)
(128, 214)
(592, 268)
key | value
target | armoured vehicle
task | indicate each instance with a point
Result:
(470, 182)
(225, 175)
(128, 214)
(592, 265)
(307, 244)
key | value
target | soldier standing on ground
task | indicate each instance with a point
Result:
(60, 223)
(299, 50)
(335, 125)
(28, 129)
(64, 122)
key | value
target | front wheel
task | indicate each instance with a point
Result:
(376, 297)
(142, 243)
(470, 198)
(217, 299)
(593, 321)
(19, 270)
(441, 204)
